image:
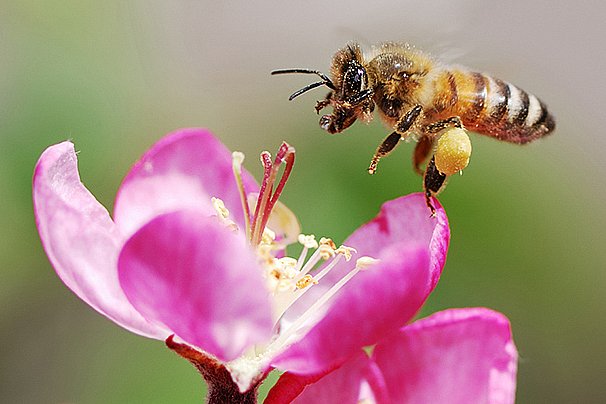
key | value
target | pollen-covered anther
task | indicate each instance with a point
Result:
(223, 214)
(306, 281)
(327, 248)
(219, 207)
(282, 273)
(365, 262)
(268, 237)
(346, 252)
(308, 240)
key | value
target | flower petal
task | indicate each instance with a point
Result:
(377, 301)
(80, 239)
(455, 356)
(406, 220)
(182, 171)
(342, 385)
(198, 278)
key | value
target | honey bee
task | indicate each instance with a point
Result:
(422, 99)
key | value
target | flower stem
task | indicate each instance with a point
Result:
(221, 387)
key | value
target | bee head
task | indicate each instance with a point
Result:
(351, 99)
(350, 95)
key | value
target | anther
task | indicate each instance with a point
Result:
(308, 241)
(365, 262)
(346, 252)
(306, 281)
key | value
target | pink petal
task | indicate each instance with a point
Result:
(406, 220)
(455, 356)
(343, 385)
(182, 171)
(375, 302)
(80, 239)
(198, 278)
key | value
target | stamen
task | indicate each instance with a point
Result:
(311, 263)
(346, 252)
(220, 207)
(314, 308)
(223, 214)
(328, 267)
(363, 263)
(308, 241)
(237, 159)
(306, 281)
(327, 248)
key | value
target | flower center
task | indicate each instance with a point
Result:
(287, 278)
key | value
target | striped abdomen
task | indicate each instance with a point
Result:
(490, 106)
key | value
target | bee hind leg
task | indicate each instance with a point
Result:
(433, 182)
(422, 152)
(435, 127)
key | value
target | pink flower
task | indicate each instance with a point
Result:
(454, 356)
(195, 255)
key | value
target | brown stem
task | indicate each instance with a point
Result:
(221, 387)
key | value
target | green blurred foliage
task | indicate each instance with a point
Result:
(527, 222)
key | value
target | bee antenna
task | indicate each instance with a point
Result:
(305, 89)
(325, 80)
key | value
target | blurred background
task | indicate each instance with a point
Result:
(114, 76)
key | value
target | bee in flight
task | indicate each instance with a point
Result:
(424, 101)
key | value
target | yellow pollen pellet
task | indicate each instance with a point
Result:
(453, 151)
(306, 281)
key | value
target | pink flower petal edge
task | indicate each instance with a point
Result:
(193, 275)
(81, 240)
(342, 385)
(455, 356)
(406, 219)
(181, 171)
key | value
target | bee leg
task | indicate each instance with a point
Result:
(433, 183)
(386, 147)
(422, 152)
(391, 141)
(443, 124)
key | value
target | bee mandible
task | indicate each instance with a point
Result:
(426, 101)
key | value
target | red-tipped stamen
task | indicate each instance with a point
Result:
(267, 199)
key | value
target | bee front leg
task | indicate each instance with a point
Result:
(391, 141)
(433, 182)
